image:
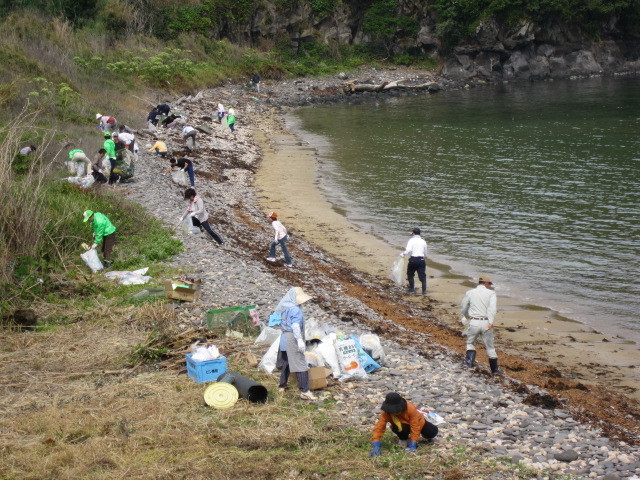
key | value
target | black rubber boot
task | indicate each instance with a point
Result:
(493, 363)
(470, 358)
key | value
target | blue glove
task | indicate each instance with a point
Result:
(411, 447)
(375, 452)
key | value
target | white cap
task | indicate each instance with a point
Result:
(98, 115)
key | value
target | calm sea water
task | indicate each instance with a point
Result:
(537, 185)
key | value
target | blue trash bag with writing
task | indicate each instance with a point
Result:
(368, 363)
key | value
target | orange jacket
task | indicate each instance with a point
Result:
(410, 416)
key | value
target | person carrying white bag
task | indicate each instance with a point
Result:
(103, 233)
(291, 352)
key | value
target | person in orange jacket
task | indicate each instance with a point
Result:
(406, 422)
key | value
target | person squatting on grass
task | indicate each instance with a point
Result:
(281, 238)
(291, 357)
(199, 216)
(80, 164)
(106, 123)
(103, 232)
(406, 422)
(98, 167)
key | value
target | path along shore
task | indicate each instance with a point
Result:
(243, 176)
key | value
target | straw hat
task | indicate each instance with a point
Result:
(302, 297)
(98, 115)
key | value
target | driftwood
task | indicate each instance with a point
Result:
(351, 87)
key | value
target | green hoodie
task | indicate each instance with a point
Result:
(73, 152)
(110, 147)
(101, 227)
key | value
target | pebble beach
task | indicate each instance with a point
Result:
(504, 417)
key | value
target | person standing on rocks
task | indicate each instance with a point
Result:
(189, 132)
(231, 118)
(281, 237)
(220, 112)
(417, 251)
(199, 216)
(255, 80)
(185, 165)
(406, 422)
(479, 306)
(291, 357)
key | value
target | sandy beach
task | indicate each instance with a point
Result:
(290, 183)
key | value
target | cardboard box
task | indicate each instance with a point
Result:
(318, 378)
(183, 290)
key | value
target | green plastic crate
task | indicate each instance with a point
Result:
(232, 318)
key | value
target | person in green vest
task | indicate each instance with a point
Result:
(110, 147)
(231, 118)
(79, 162)
(103, 233)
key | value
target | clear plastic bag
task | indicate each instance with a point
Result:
(180, 177)
(188, 228)
(398, 269)
(90, 257)
(371, 343)
(267, 336)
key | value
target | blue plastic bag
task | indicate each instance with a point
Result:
(368, 363)
(275, 319)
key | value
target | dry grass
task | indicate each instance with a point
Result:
(63, 418)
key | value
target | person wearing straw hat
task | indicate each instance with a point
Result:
(103, 232)
(106, 123)
(281, 237)
(406, 422)
(291, 357)
(479, 309)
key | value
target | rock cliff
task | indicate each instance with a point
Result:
(526, 51)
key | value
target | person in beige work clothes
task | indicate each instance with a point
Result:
(479, 307)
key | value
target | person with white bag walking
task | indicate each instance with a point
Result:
(199, 216)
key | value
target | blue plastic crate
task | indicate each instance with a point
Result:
(207, 371)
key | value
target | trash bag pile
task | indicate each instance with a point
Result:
(136, 277)
(348, 357)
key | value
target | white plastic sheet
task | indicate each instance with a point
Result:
(90, 257)
(136, 277)
(398, 270)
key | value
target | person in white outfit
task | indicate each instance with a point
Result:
(281, 237)
(479, 307)
(189, 132)
(220, 112)
(417, 251)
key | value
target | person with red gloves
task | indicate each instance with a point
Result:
(406, 422)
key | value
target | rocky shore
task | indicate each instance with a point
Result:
(582, 431)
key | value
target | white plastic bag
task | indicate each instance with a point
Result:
(201, 354)
(87, 181)
(371, 342)
(431, 417)
(350, 365)
(268, 361)
(267, 336)
(90, 257)
(328, 351)
(314, 359)
(180, 177)
(398, 270)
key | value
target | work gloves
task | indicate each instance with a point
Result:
(411, 447)
(375, 451)
(301, 345)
